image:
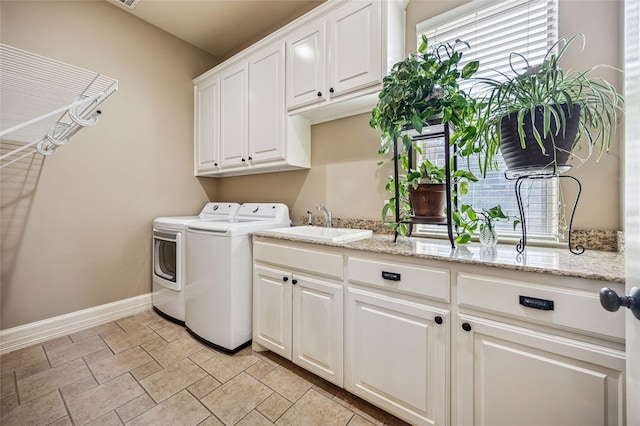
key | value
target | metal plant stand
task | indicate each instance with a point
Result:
(449, 151)
(520, 178)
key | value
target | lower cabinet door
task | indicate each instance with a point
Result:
(397, 355)
(507, 375)
(272, 310)
(318, 327)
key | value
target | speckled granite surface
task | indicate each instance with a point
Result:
(592, 264)
(589, 239)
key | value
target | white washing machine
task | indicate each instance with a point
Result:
(219, 284)
(168, 261)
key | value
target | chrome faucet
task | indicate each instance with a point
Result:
(327, 214)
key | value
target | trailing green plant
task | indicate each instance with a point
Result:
(419, 88)
(422, 86)
(467, 221)
(545, 88)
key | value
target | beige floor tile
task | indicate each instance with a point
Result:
(7, 384)
(169, 331)
(121, 341)
(98, 330)
(138, 322)
(109, 419)
(65, 421)
(78, 387)
(203, 386)
(254, 419)
(171, 380)
(52, 379)
(181, 409)
(211, 421)
(274, 406)
(204, 355)
(106, 397)
(286, 383)
(64, 353)
(260, 369)
(361, 407)
(39, 411)
(108, 368)
(236, 398)
(359, 421)
(55, 343)
(174, 351)
(22, 358)
(8, 403)
(224, 368)
(97, 356)
(146, 370)
(314, 409)
(31, 369)
(135, 407)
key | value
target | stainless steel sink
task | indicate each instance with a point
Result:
(318, 233)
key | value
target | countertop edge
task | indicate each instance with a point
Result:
(592, 265)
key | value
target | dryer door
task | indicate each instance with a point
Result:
(167, 257)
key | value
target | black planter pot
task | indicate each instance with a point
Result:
(531, 158)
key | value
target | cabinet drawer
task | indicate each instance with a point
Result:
(572, 308)
(404, 277)
(320, 262)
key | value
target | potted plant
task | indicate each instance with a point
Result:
(538, 117)
(467, 221)
(421, 87)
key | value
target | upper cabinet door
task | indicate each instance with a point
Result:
(355, 47)
(207, 125)
(266, 105)
(233, 115)
(306, 63)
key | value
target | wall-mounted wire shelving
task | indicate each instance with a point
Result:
(43, 102)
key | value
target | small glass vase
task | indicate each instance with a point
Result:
(488, 236)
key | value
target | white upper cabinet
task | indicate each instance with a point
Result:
(253, 112)
(266, 105)
(241, 125)
(306, 51)
(207, 125)
(335, 64)
(234, 116)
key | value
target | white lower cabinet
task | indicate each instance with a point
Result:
(537, 353)
(397, 355)
(300, 316)
(509, 375)
(438, 343)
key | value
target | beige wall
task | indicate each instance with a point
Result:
(76, 228)
(76, 233)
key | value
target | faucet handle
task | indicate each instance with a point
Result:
(309, 218)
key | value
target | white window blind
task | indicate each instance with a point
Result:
(494, 29)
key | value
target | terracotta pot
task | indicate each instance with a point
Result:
(531, 157)
(428, 201)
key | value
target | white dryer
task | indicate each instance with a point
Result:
(219, 284)
(168, 258)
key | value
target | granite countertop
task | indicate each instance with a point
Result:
(592, 264)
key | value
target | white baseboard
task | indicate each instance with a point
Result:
(40, 331)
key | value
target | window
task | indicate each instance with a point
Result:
(493, 29)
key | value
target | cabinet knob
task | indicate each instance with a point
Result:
(250, 158)
(466, 326)
(438, 319)
(610, 300)
(294, 281)
(243, 160)
(331, 90)
(285, 279)
(215, 164)
(319, 94)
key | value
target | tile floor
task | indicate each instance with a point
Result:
(145, 370)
